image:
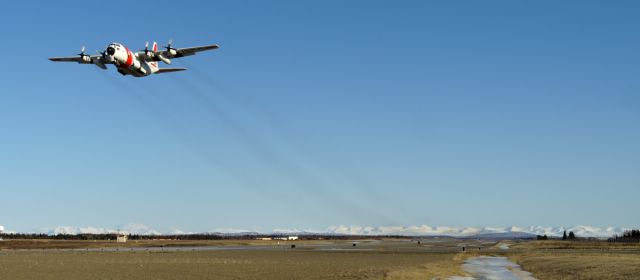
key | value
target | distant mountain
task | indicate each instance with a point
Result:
(342, 230)
(130, 228)
(504, 235)
(482, 232)
(239, 233)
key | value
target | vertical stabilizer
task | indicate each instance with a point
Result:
(154, 65)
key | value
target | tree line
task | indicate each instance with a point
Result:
(627, 236)
(565, 236)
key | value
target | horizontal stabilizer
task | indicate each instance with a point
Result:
(167, 70)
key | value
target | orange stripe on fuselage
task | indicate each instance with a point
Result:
(129, 61)
(129, 57)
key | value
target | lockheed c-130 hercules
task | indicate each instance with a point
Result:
(138, 64)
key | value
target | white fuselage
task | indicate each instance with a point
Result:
(128, 63)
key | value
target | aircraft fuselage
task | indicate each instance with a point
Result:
(128, 63)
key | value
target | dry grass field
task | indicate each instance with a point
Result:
(580, 265)
(231, 259)
(322, 259)
(578, 260)
(80, 244)
(227, 265)
(576, 245)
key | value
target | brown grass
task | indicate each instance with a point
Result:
(575, 245)
(578, 260)
(441, 267)
(580, 266)
(374, 259)
(226, 265)
(78, 244)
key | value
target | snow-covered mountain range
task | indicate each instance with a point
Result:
(422, 230)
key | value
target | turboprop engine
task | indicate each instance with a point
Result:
(85, 57)
(170, 49)
(154, 54)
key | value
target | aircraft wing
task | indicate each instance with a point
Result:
(174, 53)
(188, 51)
(77, 59)
(94, 59)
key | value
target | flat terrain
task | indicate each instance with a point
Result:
(369, 259)
(217, 265)
(578, 260)
(320, 259)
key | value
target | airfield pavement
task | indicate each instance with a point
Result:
(432, 258)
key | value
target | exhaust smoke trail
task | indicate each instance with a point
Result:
(284, 132)
(295, 173)
(177, 131)
(245, 181)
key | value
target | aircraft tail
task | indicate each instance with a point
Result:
(154, 65)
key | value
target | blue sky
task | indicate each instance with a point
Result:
(311, 114)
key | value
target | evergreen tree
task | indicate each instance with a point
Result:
(572, 236)
(564, 235)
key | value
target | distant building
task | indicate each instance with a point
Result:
(291, 237)
(122, 238)
(264, 238)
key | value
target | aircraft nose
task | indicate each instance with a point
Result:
(111, 51)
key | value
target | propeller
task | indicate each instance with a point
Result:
(146, 50)
(82, 54)
(102, 53)
(100, 61)
(169, 46)
(104, 58)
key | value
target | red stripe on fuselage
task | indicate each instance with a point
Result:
(129, 57)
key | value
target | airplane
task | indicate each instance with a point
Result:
(137, 64)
